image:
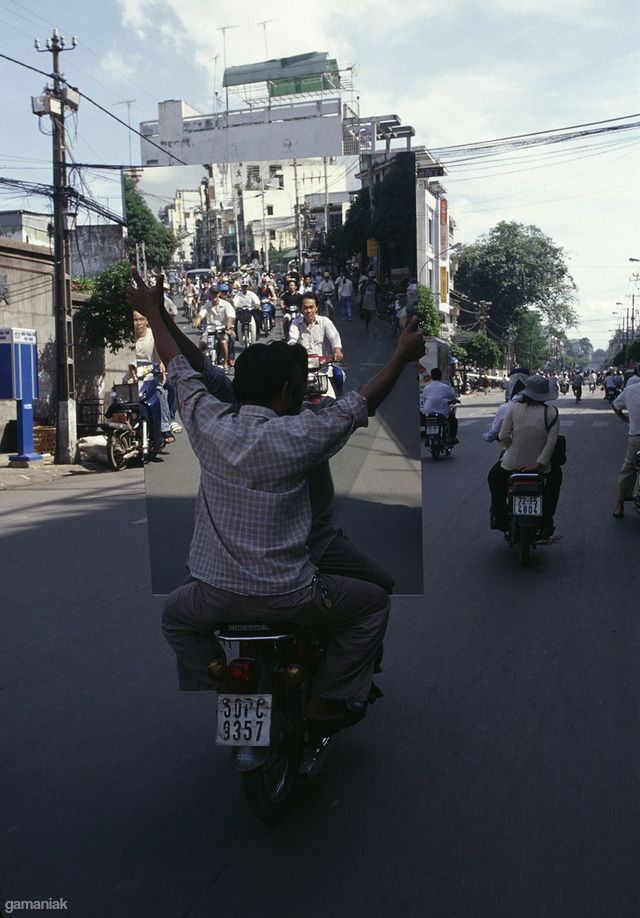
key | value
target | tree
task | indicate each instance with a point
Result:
(394, 220)
(142, 226)
(426, 311)
(483, 351)
(582, 350)
(516, 267)
(106, 316)
(531, 345)
(623, 355)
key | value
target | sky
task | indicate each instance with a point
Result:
(459, 71)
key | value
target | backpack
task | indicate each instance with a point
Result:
(559, 454)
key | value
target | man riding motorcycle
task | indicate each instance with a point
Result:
(438, 398)
(318, 335)
(251, 560)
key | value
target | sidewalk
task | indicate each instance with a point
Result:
(42, 472)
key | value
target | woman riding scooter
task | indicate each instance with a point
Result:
(529, 432)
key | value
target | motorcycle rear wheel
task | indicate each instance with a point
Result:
(435, 452)
(525, 547)
(118, 445)
(270, 789)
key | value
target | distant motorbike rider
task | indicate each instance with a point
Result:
(529, 433)
(291, 301)
(437, 398)
(577, 382)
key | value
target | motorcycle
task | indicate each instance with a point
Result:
(288, 317)
(611, 393)
(267, 316)
(564, 386)
(245, 326)
(215, 336)
(320, 379)
(263, 684)
(133, 426)
(437, 434)
(524, 496)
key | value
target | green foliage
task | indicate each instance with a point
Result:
(427, 312)
(142, 226)
(483, 351)
(531, 345)
(106, 316)
(457, 350)
(582, 350)
(356, 228)
(516, 267)
(620, 358)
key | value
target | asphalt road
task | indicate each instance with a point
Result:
(498, 777)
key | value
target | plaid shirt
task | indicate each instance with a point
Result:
(253, 512)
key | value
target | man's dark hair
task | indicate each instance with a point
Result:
(262, 370)
(436, 373)
(310, 296)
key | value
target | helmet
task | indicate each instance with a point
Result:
(223, 288)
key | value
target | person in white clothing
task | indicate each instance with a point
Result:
(318, 335)
(436, 399)
(245, 303)
(629, 398)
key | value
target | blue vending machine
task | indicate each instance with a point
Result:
(19, 381)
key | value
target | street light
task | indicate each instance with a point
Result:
(634, 259)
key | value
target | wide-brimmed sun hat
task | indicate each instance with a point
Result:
(540, 389)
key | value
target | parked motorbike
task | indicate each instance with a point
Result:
(133, 426)
(524, 496)
(437, 435)
(263, 686)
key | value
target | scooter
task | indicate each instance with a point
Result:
(133, 426)
(437, 434)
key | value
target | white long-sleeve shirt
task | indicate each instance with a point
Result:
(321, 337)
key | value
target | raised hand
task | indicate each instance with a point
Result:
(144, 299)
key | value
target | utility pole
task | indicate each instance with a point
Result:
(65, 374)
(298, 215)
(326, 199)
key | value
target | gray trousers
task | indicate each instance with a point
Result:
(628, 472)
(357, 617)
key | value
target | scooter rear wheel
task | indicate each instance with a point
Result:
(118, 445)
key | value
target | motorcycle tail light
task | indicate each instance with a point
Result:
(242, 676)
(294, 674)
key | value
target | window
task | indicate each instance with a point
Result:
(430, 228)
(272, 235)
(270, 210)
(276, 178)
(253, 177)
